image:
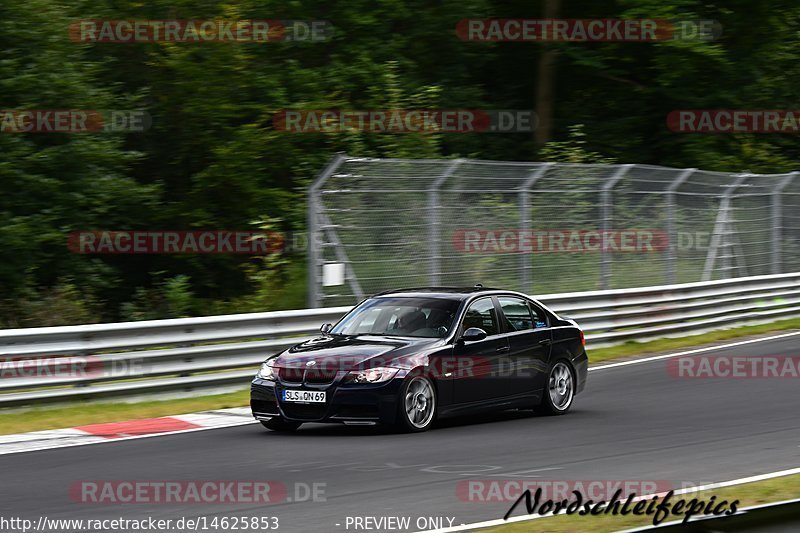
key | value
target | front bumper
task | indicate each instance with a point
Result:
(349, 403)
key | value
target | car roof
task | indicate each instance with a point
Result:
(452, 293)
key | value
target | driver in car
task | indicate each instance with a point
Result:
(411, 321)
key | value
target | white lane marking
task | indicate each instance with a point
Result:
(70, 437)
(688, 490)
(82, 442)
(689, 352)
(46, 440)
(520, 472)
(43, 440)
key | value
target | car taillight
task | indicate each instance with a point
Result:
(583, 338)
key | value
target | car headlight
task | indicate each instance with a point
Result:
(266, 371)
(372, 375)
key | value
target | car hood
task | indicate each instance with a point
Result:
(350, 353)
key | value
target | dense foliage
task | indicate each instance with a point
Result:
(213, 160)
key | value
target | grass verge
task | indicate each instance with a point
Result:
(69, 415)
(760, 492)
(630, 349)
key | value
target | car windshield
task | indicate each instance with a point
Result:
(405, 317)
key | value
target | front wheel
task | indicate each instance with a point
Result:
(280, 424)
(557, 399)
(417, 405)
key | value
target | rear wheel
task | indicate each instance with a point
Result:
(557, 398)
(280, 424)
(417, 405)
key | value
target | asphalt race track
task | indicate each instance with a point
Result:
(633, 422)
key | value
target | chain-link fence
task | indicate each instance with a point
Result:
(376, 224)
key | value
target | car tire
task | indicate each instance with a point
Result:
(559, 392)
(280, 424)
(417, 405)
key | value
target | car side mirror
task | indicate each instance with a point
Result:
(325, 328)
(473, 334)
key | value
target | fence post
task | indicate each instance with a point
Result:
(341, 256)
(672, 235)
(607, 211)
(777, 223)
(312, 222)
(720, 233)
(434, 230)
(525, 221)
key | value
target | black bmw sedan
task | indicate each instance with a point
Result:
(411, 356)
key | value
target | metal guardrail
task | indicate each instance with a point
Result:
(189, 354)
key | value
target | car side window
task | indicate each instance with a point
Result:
(481, 314)
(517, 313)
(539, 318)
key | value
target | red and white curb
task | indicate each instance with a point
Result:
(116, 431)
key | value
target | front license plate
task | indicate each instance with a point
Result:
(304, 396)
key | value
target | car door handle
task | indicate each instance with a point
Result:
(545, 342)
(503, 349)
